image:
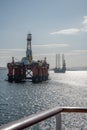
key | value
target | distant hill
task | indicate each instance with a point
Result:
(75, 69)
(1, 68)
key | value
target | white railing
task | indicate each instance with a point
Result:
(32, 120)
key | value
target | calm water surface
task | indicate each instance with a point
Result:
(69, 89)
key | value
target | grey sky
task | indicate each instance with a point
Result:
(57, 26)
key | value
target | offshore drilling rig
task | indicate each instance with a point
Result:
(58, 68)
(27, 68)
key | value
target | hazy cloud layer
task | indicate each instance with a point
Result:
(76, 52)
(51, 45)
(73, 31)
(84, 29)
(69, 31)
(8, 50)
(84, 21)
(80, 51)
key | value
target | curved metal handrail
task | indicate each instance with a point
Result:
(31, 120)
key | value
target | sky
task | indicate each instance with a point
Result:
(57, 26)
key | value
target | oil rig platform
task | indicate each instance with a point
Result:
(58, 68)
(27, 68)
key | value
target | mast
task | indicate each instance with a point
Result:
(58, 60)
(62, 59)
(29, 50)
(63, 63)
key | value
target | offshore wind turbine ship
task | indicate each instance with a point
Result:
(59, 69)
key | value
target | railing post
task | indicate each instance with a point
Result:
(58, 122)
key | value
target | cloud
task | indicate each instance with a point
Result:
(84, 21)
(80, 51)
(84, 29)
(72, 53)
(73, 31)
(44, 54)
(8, 50)
(76, 52)
(70, 31)
(6, 55)
(51, 45)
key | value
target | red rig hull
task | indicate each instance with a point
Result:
(36, 72)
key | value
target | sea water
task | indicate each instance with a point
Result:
(24, 99)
